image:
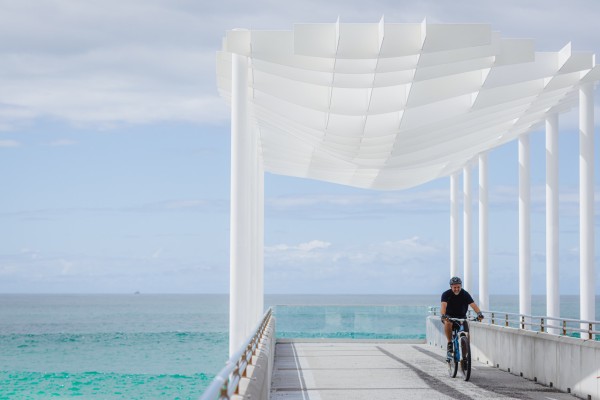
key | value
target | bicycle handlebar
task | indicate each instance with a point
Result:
(462, 319)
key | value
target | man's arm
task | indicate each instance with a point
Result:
(477, 310)
(443, 310)
(475, 307)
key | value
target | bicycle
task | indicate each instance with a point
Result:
(461, 349)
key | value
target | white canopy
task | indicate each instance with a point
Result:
(390, 106)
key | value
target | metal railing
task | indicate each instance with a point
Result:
(226, 383)
(539, 323)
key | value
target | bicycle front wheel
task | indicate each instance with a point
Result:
(465, 360)
(453, 363)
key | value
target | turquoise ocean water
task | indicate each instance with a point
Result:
(171, 346)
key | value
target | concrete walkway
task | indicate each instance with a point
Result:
(388, 370)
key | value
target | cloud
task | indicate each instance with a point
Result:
(319, 266)
(132, 62)
(374, 205)
(166, 206)
(157, 253)
(313, 244)
(507, 198)
(300, 252)
(185, 204)
(416, 201)
(13, 116)
(62, 142)
(64, 272)
(359, 206)
(9, 143)
(385, 253)
(181, 205)
(112, 99)
(110, 62)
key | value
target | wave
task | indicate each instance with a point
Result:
(105, 385)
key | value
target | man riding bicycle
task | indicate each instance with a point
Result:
(455, 304)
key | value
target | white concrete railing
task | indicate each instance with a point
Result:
(566, 363)
(247, 374)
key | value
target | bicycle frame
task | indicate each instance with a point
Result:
(458, 330)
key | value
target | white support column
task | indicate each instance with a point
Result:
(260, 270)
(484, 297)
(253, 199)
(524, 226)
(240, 254)
(552, 217)
(587, 275)
(467, 224)
(454, 225)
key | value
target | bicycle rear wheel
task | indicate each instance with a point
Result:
(465, 361)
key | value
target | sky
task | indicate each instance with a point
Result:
(114, 158)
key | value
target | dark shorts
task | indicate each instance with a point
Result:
(465, 324)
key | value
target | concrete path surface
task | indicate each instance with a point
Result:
(388, 370)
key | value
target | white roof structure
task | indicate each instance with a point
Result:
(391, 106)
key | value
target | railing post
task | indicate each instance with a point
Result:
(249, 351)
(224, 394)
(564, 328)
(590, 330)
(492, 318)
(506, 320)
(542, 325)
(244, 361)
(236, 373)
(522, 322)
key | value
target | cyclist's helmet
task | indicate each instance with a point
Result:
(455, 280)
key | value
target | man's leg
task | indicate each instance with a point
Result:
(448, 331)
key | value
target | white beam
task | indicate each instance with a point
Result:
(587, 275)
(524, 226)
(484, 297)
(552, 218)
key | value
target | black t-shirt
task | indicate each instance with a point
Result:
(458, 304)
